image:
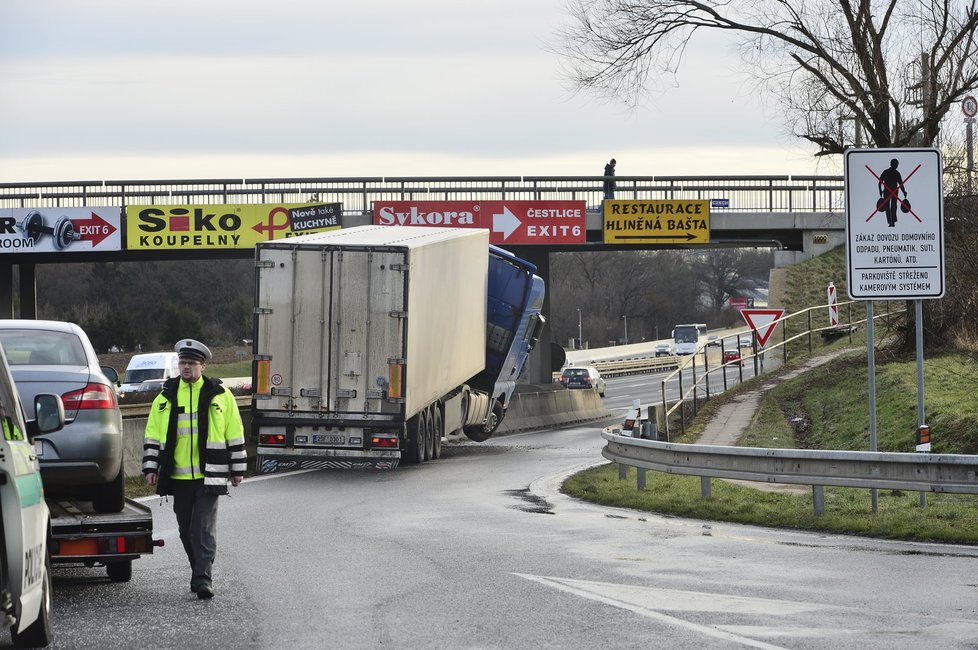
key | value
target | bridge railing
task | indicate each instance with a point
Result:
(732, 193)
(802, 335)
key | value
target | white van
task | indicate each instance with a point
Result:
(155, 365)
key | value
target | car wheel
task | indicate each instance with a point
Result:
(601, 393)
(110, 497)
(39, 633)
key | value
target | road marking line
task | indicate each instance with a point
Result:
(568, 586)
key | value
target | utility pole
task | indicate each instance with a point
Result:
(580, 335)
(626, 328)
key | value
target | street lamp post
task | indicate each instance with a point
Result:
(625, 318)
(580, 335)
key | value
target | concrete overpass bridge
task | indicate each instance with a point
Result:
(800, 216)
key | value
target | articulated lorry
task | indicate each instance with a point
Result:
(371, 343)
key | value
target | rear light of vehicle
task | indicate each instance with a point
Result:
(271, 439)
(384, 441)
(93, 396)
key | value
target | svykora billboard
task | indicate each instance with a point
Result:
(508, 222)
(60, 230)
(154, 227)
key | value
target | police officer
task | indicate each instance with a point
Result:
(194, 447)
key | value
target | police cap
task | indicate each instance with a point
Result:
(191, 349)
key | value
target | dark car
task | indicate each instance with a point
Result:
(84, 459)
(583, 377)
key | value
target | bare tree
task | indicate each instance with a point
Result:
(837, 68)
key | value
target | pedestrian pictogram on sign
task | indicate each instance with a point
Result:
(900, 257)
(763, 322)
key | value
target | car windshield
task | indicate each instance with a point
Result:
(576, 372)
(30, 347)
(139, 375)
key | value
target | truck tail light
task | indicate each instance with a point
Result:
(395, 385)
(383, 441)
(93, 396)
(271, 439)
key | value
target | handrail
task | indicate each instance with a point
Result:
(702, 381)
(743, 193)
(956, 473)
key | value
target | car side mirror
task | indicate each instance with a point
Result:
(49, 412)
(110, 373)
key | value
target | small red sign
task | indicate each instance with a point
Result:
(509, 222)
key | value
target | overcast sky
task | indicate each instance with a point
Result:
(144, 89)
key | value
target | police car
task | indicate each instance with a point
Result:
(25, 579)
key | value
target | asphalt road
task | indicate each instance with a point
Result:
(481, 550)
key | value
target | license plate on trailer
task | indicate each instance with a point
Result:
(325, 439)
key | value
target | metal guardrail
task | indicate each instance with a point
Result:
(806, 332)
(141, 410)
(626, 367)
(859, 469)
(740, 193)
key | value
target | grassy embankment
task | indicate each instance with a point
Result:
(828, 408)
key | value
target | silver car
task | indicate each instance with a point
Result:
(84, 459)
(583, 377)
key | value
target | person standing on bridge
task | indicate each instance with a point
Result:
(609, 184)
(890, 182)
(193, 447)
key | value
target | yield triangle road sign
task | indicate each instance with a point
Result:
(762, 321)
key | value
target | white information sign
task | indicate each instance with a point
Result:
(894, 224)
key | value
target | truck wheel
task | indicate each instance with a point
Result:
(39, 633)
(119, 571)
(110, 497)
(438, 429)
(414, 451)
(429, 434)
(483, 432)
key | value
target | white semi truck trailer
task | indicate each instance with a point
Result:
(371, 343)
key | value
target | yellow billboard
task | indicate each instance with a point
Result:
(656, 222)
(156, 227)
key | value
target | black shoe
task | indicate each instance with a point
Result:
(205, 592)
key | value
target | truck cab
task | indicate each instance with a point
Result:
(25, 578)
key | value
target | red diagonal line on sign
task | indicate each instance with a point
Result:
(893, 193)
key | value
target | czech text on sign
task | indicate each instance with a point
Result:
(152, 227)
(894, 224)
(509, 222)
(657, 222)
(61, 230)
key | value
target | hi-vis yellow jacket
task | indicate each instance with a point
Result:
(194, 431)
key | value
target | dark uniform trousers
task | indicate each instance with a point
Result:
(196, 512)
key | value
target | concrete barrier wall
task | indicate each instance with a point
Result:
(527, 411)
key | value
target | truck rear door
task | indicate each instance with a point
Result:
(329, 323)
